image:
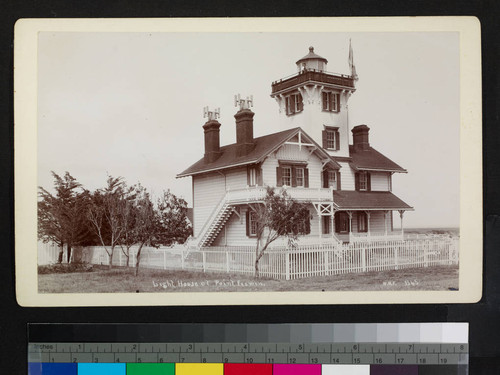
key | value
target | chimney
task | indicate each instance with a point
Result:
(360, 137)
(212, 142)
(244, 131)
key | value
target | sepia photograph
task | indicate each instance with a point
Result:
(248, 162)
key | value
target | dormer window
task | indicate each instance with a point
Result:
(331, 138)
(294, 104)
(331, 101)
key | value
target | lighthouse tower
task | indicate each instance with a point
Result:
(316, 101)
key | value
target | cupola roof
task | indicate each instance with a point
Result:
(311, 56)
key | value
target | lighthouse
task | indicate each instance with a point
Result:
(316, 101)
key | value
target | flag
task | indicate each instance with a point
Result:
(352, 67)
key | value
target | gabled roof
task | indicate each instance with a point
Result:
(371, 159)
(368, 200)
(263, 147)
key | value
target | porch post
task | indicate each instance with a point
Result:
(385, 222)
(320, 226)
(368, 223)
(332, 222)
(350, 224)
(401, 213)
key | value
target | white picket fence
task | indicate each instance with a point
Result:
(291, 263)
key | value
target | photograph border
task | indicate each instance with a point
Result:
(25, 145)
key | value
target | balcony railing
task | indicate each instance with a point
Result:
(258, 193)
(312, 75)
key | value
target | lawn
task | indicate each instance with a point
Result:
(122, 280)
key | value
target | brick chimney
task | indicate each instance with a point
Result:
(360, 137)
(212, 140)
(244, 131)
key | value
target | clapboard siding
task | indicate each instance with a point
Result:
(236, 179)
(346, 177)
(208, 190)
(292, 152)
(380, 181)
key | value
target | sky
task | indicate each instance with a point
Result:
(131, 104)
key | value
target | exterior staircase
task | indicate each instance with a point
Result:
(216, 225)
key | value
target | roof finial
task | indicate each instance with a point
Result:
(311, 49)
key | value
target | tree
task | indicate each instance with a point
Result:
(61, 217)
(174, 225)
(279, 215)
(144, 224)
(105, 214)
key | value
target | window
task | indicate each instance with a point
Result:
(294, 104)
(292, 175)
(331, 101)
(332, 179)
(299, 177)
(287, 176)
(331, 138)
(252, 224)
(326, 224)
(254, 176)
(363, 181)
(341, 222)
(362, 222)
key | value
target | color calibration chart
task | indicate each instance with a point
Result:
(241, 349)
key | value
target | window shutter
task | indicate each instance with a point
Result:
(337, 96)
(294, 176)
(332, 101)
(368, 182)
(279, 180)
(259, 176)
(248, 223)
(301, 103)
(325, 178)
(324, 136)
(339, 186)
(356, 181)
(337, 140)
(325, 101)
(306, 177)
(336, 219)
(248, 176)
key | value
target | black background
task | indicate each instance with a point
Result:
(484, 316)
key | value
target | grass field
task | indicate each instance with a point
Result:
(122, 280)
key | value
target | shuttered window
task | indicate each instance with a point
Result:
(331, 138)
(331, 179)
(292, 175)
(362, 222)
(252, 224)
(331, 101)
(294, 104)
(254, 176)
(362, 181)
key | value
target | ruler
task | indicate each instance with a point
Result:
(271, 353)
(244, 349)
